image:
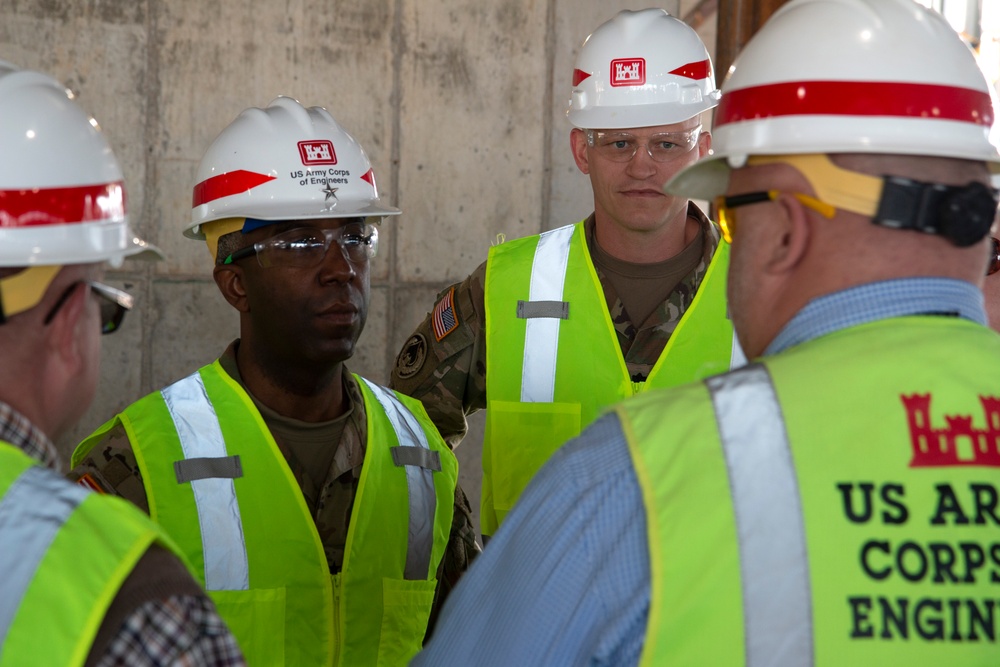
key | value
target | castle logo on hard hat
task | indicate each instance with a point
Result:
(318, 151)
(628, 72)
(958, 443)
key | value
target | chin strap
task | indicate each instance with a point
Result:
(961, 214)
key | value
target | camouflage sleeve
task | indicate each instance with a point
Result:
(111, 469)
(458, 556)
(443, 364)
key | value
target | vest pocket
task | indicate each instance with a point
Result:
(406, 608)
(256, 618)
(523, 436)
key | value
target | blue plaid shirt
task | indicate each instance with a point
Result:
(565, 581)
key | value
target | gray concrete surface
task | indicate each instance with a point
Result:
(460, 105)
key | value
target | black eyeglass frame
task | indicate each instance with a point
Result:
(110, 321)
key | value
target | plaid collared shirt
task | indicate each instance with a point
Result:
(176, 630)
(18, 431)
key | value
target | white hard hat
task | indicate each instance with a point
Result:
(284, 162)
(62, 196)
(848, 76)
(640, 69)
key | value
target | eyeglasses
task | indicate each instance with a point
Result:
(727, 219)
(994, 257)
(662, 147)
(305, 247)
(114, 304)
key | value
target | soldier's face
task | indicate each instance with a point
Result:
(629, 195)
(307, 315)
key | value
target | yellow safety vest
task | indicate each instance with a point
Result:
(65, 553)
(553, 359)
(221, 487)
(845, 510)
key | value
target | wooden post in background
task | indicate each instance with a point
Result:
(738, 20)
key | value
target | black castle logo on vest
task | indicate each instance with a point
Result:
(957, 444)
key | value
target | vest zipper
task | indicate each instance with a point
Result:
(336, 618)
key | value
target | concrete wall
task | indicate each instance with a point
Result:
(459, 103)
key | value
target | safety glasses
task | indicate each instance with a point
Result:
(305, 247)
(114, 304)
(727, 219)
(994, 265)
(618, 146)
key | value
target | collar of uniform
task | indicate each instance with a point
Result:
(16, 429)
(351, 449)
(712, 235)
(878, 301)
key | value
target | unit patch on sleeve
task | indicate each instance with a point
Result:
(444, 320)
(411, 357)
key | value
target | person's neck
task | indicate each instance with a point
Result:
(646, 246)
(305, 393)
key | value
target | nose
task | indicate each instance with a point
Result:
(642, 164)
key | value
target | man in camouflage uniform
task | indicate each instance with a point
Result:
(395, 534)
(646, 256)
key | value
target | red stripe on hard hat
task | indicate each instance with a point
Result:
(231, 183)
(856, 98)
(579, 75)
(58, 206)
(698, 70)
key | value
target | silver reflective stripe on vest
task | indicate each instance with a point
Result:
(541, 338)
(737, 357)
(419, 485)
(32, 511)
(774, 566)
(222, 541)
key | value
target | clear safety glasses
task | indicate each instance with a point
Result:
(305, 247)
(663, 147)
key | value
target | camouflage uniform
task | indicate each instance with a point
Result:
(111, 467)
(449, 376)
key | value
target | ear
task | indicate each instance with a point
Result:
(788, 248)
(230, 280)
(578, 144)
(63, 334)
(704, 144)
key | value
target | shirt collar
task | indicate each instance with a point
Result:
(16, 429)
(881, 300)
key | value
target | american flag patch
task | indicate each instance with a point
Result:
(443, 319)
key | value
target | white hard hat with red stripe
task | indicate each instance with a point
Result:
(641, 69)
(848, 76)
(62, 196)
(284, 162)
